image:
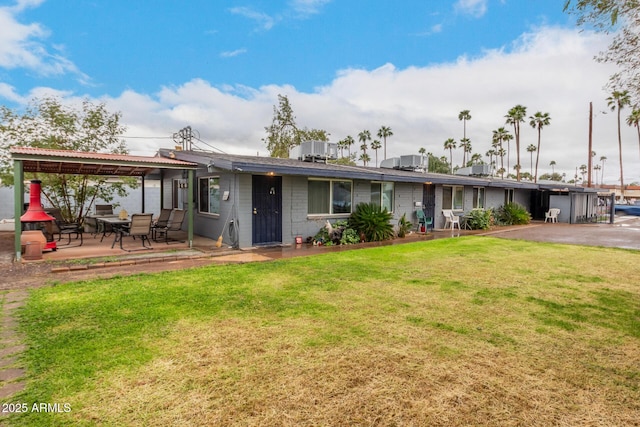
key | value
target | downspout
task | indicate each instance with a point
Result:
(190, 194)
(18, 197)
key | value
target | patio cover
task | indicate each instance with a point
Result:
(40, 160)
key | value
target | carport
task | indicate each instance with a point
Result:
(38, 160)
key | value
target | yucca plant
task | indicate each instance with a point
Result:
(512, 214)
(372, 222)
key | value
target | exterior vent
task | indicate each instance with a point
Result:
(392, 163)
(475, 170)
(406, 163)
(318, 151)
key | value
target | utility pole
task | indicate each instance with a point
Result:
(590, 144)
(183, 137)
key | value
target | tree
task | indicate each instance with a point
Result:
(349, 141)
(450, 144)
(47, 123)
(634, 120)
(602, 159)
(363, 137)
(364, 158)
(538, 121)
(375, 146)
(532, 149)
(501, 135)
(596, 168)
(464, 116)
(384, 132)
(313, 135)
(422, 152)
(552, 163)
(465, 144)
(617, 101)
(514, 117)
(283, 133)
(622, 17)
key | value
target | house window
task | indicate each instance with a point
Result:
(382, 195)
(453, 197)
(478, 197)
(209, 195)
(329, 197)
(508, 195)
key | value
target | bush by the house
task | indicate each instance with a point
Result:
(404, 226)
(480, 219)
(371, 222)
(512, 214)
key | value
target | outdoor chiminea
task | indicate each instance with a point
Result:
(35, 218)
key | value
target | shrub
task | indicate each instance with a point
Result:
(372, 222)
(403, 225)
(512, 214)
(479, 219)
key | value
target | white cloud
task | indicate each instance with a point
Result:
(264, 21)
(305, 8)
(475, 8)
(24, 45)
(232, 53)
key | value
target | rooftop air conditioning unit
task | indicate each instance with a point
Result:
(318, 151)
(411, 162)
(391, 163)
(475, 170)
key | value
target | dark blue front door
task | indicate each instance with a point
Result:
(267, 209)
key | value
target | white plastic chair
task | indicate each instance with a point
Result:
(552, 215)
(454, 219)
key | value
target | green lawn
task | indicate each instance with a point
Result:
(465, 331)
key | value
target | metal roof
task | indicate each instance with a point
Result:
(279, 166)
(87, 163)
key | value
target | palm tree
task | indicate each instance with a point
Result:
(422, 151)
(532, 149)
(499, 136)
(538, 121)
(349, 141)
(464, 116)
(552, 163)
(364, 157)
(514, 117)
(634, 120)
(450, 144)
(602, 159)
(375, 146)
(597, 168)
(465, 144)
(617, 101)
(476, 158)
(384, 132)
(363, 137)
(501, 153)
(583, 171)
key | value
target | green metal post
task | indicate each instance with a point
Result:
(18, 197)
(190, 208)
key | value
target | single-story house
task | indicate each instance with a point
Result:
(265, 200)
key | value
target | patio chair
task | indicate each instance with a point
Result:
(140, 226)
(424, 220)
(450, 219)
(174, 224)
(160, 222)
(64, 228)
(552, 215)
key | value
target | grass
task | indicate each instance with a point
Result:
(467, 331)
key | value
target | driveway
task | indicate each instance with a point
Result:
(624, 233)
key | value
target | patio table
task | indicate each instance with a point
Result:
(112, 221)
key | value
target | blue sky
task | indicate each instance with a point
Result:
(346, 65)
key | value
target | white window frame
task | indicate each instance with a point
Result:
(331, 201)
(380, 202)
(509, 195)
(454, 190)
(479, 197)
(207, 180)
